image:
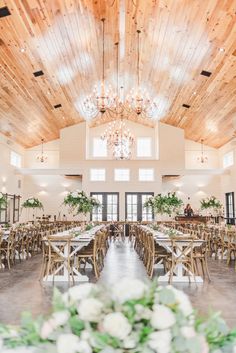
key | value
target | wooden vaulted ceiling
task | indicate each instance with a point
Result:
(63, 39)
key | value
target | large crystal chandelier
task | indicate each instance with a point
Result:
(102, 97)
(119, 139)
(138, 100)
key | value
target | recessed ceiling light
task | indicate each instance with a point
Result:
(222, 49)
(22, 50)
(194, 92)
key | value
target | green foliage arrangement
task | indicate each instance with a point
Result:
(81, 203)
(3, 200)
(164, 204)
(210, 203)
(32, 202)
(131, 316)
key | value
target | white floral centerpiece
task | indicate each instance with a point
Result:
(3, 200)
(32, 202)
(131, 316)
(81, 203)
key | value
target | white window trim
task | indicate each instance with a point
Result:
(146, 181)
(151, 142)
(121, 180)
(18, 158)
(97, 180)
(229, 153)
(98, 157)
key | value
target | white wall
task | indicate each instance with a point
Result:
(193, 152)
(10, 182)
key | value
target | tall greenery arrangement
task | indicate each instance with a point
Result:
(81, 203)
(164, 204)
(3, 200)
(32, 202)
(211, 204)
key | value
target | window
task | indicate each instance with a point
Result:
(99, 147)
(229, 198)
(134, 207)
(228, 159)
(97, 174)
(15, 159)
(144, 147)
(109, 210)
(121, 174)
(146, 174)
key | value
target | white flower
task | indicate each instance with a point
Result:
(188, 331)
(162, 317)
(57, 319)
(160, 341)
(74, 194)
(117, 325)
(46, 329)
(78, 293)
(142, 312)
(1, 344)
(129, 342)
(90, 309)
(60, 317)
(204, 345)
(183, 301)
(84, 347)
(128, 289)
(31, 201)
(67, 343)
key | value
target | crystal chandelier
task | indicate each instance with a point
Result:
(119, 139)
(138, 100)
(202, 159)
(102, 97)
(42, 157)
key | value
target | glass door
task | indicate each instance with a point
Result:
(134, 206)
(109, 209)
(230, 214)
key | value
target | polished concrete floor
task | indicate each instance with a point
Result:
(21, 290)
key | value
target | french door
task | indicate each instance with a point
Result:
(230, 214)
(109, 209)
(134, 206)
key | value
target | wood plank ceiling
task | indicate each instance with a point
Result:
(63, 38)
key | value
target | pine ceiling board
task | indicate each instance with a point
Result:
(179, 40)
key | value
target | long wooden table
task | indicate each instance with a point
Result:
(77, 243)
(181, 272)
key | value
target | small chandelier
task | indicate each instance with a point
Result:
(102, 98)
(138, 100)
(119, 139)
(202, 159)
(42, 158)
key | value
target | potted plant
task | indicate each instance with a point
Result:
(212, 205)
(164, 204)
(80, 203)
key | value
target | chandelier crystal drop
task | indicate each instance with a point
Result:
(138, 100)
(202, 159)
(102, 97)
(119, 139)
(42, 158)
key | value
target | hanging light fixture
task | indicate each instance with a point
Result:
(42, 158)
(202, 159)
(102, 97)
(119, 139)
(138, 100)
